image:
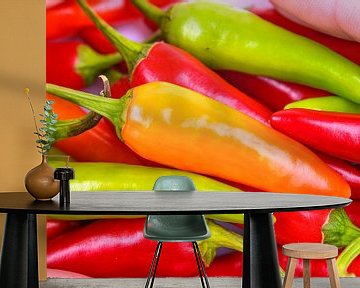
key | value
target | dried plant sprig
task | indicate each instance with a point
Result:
(45, 134)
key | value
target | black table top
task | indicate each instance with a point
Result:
(149, 202)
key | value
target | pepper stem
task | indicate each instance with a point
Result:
(339, 230)
(90, 63)
(73, 127)
(151, 11)
(130, 50)
(112, 109)
(220, 237)
(347, 256)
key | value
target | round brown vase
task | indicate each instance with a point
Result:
(40, 183)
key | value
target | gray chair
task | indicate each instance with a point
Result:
(176, 228)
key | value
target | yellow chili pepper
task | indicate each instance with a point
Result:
(181, 128)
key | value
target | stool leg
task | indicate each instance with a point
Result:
(290, 271)
(333, 273)
(306, 273)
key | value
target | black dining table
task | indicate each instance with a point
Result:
(19, 262)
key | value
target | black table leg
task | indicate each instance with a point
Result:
(260, 260)
(19, 262)
(33, 273)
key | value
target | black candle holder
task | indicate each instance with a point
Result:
(64, 175)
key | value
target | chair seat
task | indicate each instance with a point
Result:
(310, 250)
(176, 228)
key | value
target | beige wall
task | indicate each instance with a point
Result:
(22, 64)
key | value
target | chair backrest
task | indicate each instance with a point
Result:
(174, 183)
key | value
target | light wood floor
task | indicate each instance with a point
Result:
(223, 282)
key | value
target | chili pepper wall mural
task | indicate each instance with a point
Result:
(198, 100)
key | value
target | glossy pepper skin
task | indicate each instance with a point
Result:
(226, 265)
(273, 93)
(328, 103)
(348, 171)
(56, 227)
(241, 41)
(117, 248)
(157, 119)
(98, 176)
(332, 226)
(97, 40)
(75, 64)
(300, 226)
(352, 211)
(97, 144)
(67, 19)
(334, 133)
(164, 62)
(276, 94)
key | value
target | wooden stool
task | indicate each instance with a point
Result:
(308, 251)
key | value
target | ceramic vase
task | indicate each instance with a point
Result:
(40, 183)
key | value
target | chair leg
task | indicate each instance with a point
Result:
(198, 265)
(201, 267)
(333, 273)
(151, 277)
(306, 273)
(290, 271)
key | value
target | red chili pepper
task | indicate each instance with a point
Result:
(56, 227)
(349, 172)
(117, 248)
(74, 64)
(273, 93)
(158, 63)
(67, 19)
(354, 267)
(334, 133)
(96, 39)
(300, 226)
(226, 265)
(331, 226)
(99, 144)
(120, 87)
(353, 211)
(52, 3)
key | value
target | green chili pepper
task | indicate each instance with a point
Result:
(232, 39)
(98, 176)
(329, 103)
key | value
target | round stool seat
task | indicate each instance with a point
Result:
(310, 250)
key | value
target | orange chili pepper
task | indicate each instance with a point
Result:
(181, 128)
(97, 144)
